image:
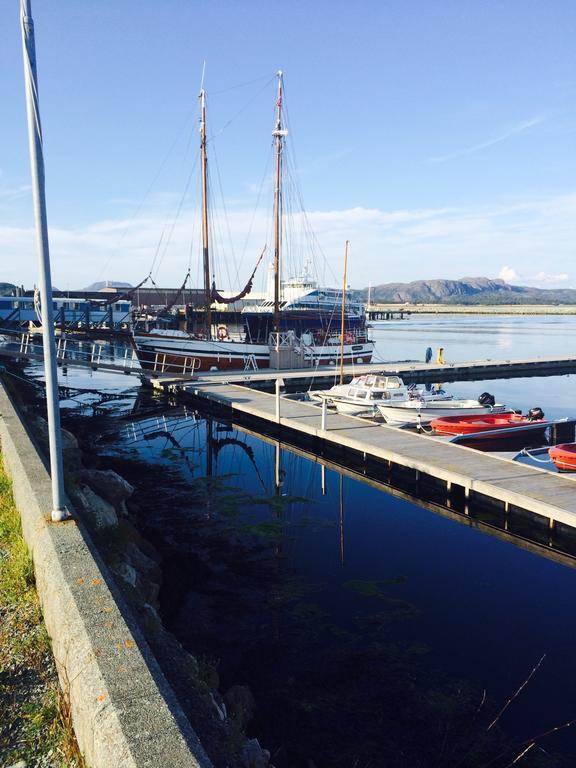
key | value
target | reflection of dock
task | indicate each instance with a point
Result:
(455, 468)
(557, 545)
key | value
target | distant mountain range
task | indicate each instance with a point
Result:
(467, 290)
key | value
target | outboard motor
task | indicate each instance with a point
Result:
(535, 414)
(487, 399)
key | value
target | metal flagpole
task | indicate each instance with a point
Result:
(59, 511)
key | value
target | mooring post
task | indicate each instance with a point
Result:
(279, 383)
(324, 412)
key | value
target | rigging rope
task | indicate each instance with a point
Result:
(243, 109)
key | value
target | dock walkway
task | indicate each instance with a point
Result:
(543, 493)
(409, 370)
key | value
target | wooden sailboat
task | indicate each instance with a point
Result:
(286, 343)
(176, 351)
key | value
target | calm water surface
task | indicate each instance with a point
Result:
(364, 624)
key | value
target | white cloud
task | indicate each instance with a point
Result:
(538, 280)
(386, 246)
(508, 274)
(545, 278)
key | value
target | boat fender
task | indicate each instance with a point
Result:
(222, 332)
(535, 414)
(486, 399)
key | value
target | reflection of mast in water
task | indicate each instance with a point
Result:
(209, 462)
(278, 483)
(278, 474)
(323, 478)
(342, 519)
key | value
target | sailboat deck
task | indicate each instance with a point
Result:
(547, 494)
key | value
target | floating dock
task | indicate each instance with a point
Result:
(498, 480)
(410, 371)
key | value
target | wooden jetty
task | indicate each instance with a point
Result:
(511, 485)
(383, 312)
(409, 370)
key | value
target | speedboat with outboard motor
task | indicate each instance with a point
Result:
(491, 425)
(363, 395)
(422, 411)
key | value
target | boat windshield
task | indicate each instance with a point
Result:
(390, 382)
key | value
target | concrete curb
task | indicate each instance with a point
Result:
(124, 712)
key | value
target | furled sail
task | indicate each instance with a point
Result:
(176, 296)
(215, 296)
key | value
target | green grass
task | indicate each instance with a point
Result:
(35, 725)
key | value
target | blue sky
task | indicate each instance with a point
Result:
(438, 137)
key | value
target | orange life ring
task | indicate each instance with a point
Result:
(222, 332)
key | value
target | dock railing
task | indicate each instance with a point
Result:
(71, 352)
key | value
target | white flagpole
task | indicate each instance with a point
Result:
(59, 511)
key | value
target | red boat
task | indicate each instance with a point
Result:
(491, 423)
(564, 456)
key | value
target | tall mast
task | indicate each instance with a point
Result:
(205, 251)
(343, 313)
(279, 134)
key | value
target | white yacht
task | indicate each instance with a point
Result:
(364, 394)
(422, 411)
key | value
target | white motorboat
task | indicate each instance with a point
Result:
(417, 411)
(364, 394)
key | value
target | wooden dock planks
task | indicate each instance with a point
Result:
(409, 370)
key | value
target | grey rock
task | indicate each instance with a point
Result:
(253, 756)
(108, 484)
(143, 564)
(220, 709)
(126, 572)
(96, 510)
(71, 453)
(240, 703)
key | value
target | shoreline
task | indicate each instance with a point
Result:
(475, 309)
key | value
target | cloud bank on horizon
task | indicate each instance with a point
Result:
(528, 242)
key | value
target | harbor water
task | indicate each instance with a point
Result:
(370, 630)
